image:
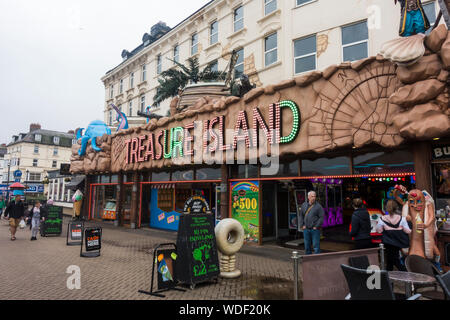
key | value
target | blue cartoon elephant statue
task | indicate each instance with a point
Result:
(95, 129)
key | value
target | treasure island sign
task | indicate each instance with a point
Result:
(370, 101)
(218, 139)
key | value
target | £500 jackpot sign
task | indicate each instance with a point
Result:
(245, 208)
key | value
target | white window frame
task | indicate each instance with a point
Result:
(56, 140)
(357, 42)
(35, 162)
(266, 52)
(36, 149)
(121, 86)
(305, 55)
(111, 91)
(176, 53)
(215, 62)
(142, 103)
(74, 141)
(55, 151)
(34, 176)
(158, 64)
(243, 61)
(54, 164)
(130, 108)
(144, 73)
(194, 45)
(37, 137)
(266, 3)
(304, 3)
(131, 80)
(211, 35)
(239, 20)
(110, 117)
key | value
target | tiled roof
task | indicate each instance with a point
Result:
(65, 139)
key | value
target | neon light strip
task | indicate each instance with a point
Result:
(329, 177)
(180, 182)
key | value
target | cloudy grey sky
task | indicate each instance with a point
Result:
(54, 52)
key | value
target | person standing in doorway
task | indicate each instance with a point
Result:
(361, 225)
(310, 220)
(16, 211)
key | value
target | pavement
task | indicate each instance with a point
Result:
(41, 270)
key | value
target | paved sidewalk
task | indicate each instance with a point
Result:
(37, 269)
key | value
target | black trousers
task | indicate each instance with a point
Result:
(393, 258)
(363, 244)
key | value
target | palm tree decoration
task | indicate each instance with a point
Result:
(173, 80)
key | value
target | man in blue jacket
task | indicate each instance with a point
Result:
(310, 220)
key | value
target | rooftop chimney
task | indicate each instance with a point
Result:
(34, 127)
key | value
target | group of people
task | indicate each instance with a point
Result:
(17, 210)
(395, 228)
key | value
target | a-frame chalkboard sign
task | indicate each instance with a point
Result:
(52, 226)
(196, 248)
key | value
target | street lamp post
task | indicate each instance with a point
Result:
(26, 182)
(7, 190)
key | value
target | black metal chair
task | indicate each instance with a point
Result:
(357, 280)
(444, 281)
(360, 262)
(417, 264)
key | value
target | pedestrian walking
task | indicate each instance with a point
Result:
(395, 232)
(15, 211)
(310, 220)
(361, 225)
(2, 205)
(37, 213)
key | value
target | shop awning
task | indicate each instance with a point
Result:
(75, 182)
(163, 186)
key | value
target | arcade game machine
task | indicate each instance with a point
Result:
(375, 192)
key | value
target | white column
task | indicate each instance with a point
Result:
(68, 195)
(52, 193)
(63, 190)
(57, 190)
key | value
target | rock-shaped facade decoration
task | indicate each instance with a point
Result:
(372, 101)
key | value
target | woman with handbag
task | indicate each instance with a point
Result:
(395, 232)
(37, 213)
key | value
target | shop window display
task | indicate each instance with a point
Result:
(104, 197)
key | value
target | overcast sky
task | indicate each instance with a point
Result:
(53, 54)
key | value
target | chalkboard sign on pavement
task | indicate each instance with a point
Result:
(53, 222)
(196, 248)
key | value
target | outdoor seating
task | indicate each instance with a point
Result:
(444, 281)
(360, 262)
(359, 290)
(418, 264)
